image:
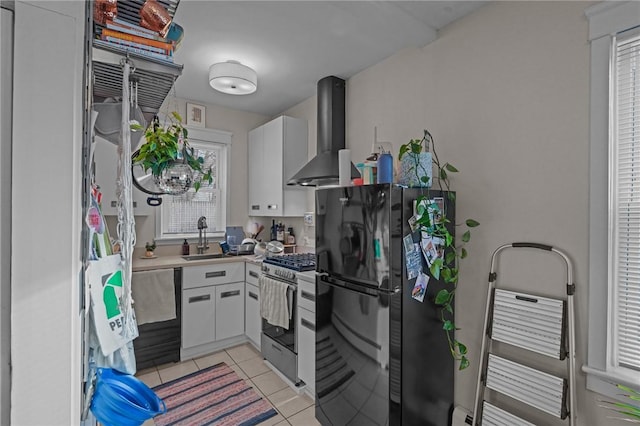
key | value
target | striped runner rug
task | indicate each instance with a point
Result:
(212, 396)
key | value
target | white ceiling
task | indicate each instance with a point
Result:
(293, 44)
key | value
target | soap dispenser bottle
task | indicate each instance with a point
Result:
(185, 247)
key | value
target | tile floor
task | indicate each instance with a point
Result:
(293, 409)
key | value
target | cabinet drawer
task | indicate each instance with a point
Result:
(252, 273)
(219, 273)
(229, 310)
(198, 316)
(307, 294)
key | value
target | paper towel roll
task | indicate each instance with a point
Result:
(344, 167)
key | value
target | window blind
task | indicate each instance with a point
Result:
(183, 211)
(626, 204)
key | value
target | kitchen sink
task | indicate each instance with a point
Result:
(203, 256)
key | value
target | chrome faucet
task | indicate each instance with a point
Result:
(202, 232)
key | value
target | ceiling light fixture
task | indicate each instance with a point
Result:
(233, 78)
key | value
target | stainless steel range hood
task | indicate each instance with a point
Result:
(323, 168)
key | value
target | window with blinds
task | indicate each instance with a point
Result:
(625, 204)
(180, 214)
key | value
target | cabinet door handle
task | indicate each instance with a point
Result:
(308, 296)
(254, 274)
(202, 298)
(229, 293)
(114, 204)
(307, 324)
(253, 295)
(215, 274)
(135, 204)
(272, 207)
(255, 207)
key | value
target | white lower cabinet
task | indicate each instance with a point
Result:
(306, 325)
(307, 348)
(212, 307)
(252, 319)
(229, 310)
(198, 316)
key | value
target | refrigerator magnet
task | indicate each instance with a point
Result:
(420, 288)
(413, 261)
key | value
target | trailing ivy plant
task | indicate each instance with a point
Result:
(162, 146)
(438, 226)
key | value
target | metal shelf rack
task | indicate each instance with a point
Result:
(155, 77)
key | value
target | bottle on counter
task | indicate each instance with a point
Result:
(185, 247)
(280, 233)
(291, 239)
(274, 231)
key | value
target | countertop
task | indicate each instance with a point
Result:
(162, 262)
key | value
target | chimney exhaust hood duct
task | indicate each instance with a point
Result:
(323, 168)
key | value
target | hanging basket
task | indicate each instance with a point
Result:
(414, 168)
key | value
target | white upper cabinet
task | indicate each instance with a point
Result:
(277, 150)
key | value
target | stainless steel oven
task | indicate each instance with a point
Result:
(279, 344)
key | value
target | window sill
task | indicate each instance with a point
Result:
(604, 382)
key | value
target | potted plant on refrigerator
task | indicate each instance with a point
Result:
(167, 154)
(433, 222)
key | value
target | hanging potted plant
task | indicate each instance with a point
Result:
(167, 154)
(432, 221)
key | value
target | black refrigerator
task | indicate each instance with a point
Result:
(382, 357)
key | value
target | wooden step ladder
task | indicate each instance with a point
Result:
(544, 326)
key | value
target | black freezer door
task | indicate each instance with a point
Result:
(352, 234)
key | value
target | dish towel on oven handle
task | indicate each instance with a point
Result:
(274, 302)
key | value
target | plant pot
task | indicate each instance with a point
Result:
(148, 253)
(414, 167)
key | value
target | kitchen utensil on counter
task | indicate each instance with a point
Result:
(247, 246)
(260, 249)
(260, 229)
(275, 247)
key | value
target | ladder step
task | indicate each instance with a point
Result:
(528, 385)
(529, 322)
(494, 416)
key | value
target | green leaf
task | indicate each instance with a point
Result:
(472, 223)
(446, 274)
(461, 348)
(466, 236)
(448, 239)
(448, 308)
(443, 174)
(443, 296)
(463, 253)
(403, 150)
(436, 265)
(451, 168)
(448, 325)
(464, 363)
(451, 196)
(425, 179)
(450, 256)
(196, 185)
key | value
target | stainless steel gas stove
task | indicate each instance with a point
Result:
(279, 343)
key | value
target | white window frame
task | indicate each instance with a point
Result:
(203, 137)
(606, 20)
